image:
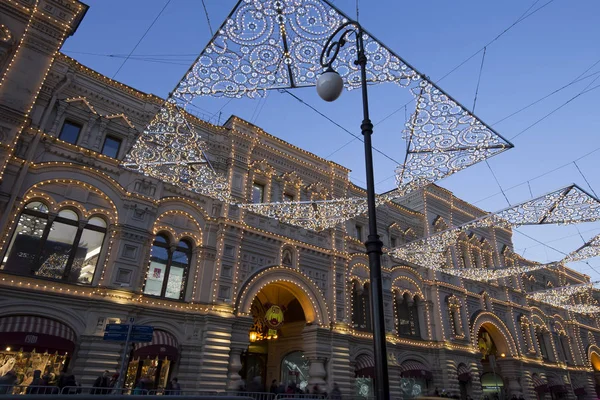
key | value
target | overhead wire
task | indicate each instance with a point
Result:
(207, 19)
(142, 38)
(523, 17)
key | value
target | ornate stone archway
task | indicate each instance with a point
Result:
(306, 292)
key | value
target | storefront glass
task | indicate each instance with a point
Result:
(148, 374)
(294, 369)
(25, 363)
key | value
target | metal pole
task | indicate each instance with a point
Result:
(124, 357)
(373, 244)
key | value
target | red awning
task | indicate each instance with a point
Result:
(42, 334)
(539, 385)
(464, 374)
(163, 344)
(365, 366)
(556, 385)
(415, 369)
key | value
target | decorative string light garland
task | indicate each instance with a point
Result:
(589, 250)
(244, 59)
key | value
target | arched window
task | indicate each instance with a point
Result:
(168, 270)
(407, 313)
(55, 247)
(361, 307)
(540, 335)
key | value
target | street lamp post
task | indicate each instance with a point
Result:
(329, 87)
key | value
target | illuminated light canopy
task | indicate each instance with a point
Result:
(568, 205)
(589, 250)
(428, 252)
(488, 274)
(315, 215)
(276, 44)
(563, 297)
(172, 151)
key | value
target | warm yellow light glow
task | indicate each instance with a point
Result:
(253, 336)
(502, 355)
(8, 349)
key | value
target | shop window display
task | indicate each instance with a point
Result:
(294, 369)
(55, 247)
(148, 373)
(168, 269)
(24, 363)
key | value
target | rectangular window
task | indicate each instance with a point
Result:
(258, 193)
(288, 197)
(111, 146)
(358, 232)
(393, 242)
(70, 132)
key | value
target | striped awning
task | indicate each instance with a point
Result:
(415, 369)
(32, 332)
(163, 345)
(365, 366)
(556, 385)
(579, 388)
(539, 385)
(464, 374)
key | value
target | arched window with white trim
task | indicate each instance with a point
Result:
(55, 246)
(168, 269)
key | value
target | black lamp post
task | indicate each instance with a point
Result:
(329, 87)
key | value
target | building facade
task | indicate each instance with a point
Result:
(233, 295)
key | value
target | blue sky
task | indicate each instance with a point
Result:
(544, 52)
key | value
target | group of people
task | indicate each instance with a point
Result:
(46, 384)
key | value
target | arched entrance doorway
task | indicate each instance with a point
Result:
(275, 353)
(492, 349)
(595, 361)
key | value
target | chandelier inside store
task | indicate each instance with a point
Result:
(276, 44)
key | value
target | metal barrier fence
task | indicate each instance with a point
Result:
(83, 392)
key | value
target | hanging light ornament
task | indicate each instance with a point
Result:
(589, 250)
(568, 205)
(563, 297)
(266, 44)
(169, 149)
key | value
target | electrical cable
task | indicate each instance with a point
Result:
(540, 176)
(479, 79)
(519, 20)
(584, 91)
(585, 179)
(336, 124)
(142, 38)
(207, 19)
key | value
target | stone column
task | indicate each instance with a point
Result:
(317, 347)
(234, 379)
(316, 372)
(190, 360)
(511, 371)
(339, 369)
(93, 356)
(216, 345)
(60, 110)
(239, 343)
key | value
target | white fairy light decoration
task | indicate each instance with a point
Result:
(172, 151)
(590, 249)
(568, 205)
(563, 297)
(265, 45)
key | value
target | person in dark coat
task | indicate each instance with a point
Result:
(274, 387)
(101, 384)
(37, 384)
(7, 382)
(336, 393)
